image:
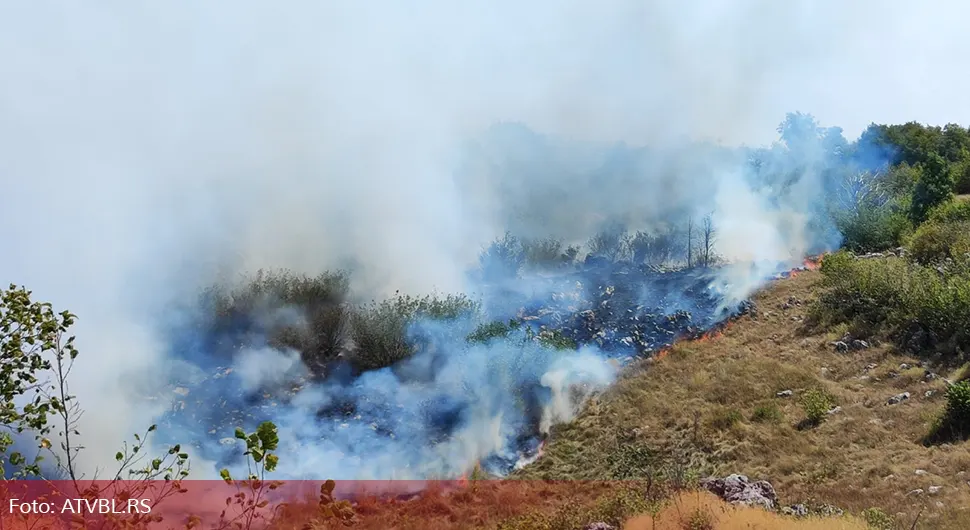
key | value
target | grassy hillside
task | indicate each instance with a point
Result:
(712, 406)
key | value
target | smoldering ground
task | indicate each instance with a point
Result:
(148, 151)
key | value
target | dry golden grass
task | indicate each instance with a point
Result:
(702, 508)
(865, 456)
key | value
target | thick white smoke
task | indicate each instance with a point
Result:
(147, 149)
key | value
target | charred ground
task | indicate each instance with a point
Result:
(625, 311)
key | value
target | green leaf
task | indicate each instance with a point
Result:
(268, 435)
(271, 462)
(119, 457)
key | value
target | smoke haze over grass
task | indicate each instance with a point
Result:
(146, 151)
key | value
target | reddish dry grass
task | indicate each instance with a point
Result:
(481, 504)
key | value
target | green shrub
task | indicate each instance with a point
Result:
(961, 177)
(503, 258)
(871, 229)
(816, 403)
(293, 311)
(633, 460)
(380, 329)
(915, 305)
(878, 519)
(484, 333)
(547, 253)
(954, 422)
(312, 316)
(933, 242)
(556, 340)
(958, 404)
(951, 212)
(768, 413)
(934, 188)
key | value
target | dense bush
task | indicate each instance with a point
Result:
(951, 212)
(871, 229)
(958, 404)
(503, 258)
(548, 253)
(655, 248)
(935, 242)
(934, 187)
(954, 422)
(911, 303)
(609, 243)
(380, 329)
(313, 316)
(961, 177)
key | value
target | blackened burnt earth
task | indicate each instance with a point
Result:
(625, 311)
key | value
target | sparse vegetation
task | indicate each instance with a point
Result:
(856, 459)
(726, 418)
(768, 413)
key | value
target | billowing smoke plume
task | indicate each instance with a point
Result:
(146, 151)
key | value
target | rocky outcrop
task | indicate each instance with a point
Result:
(737, 489)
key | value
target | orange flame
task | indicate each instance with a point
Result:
(813, 263)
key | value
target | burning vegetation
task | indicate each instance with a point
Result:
(539, 309)
(473, 386)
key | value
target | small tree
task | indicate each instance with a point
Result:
(690, 241)
(610, 243)
(503, 258)
(934, 187)
(36, 358)
(31, 334)
(708, 238)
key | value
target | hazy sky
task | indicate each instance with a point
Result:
(143, 146)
